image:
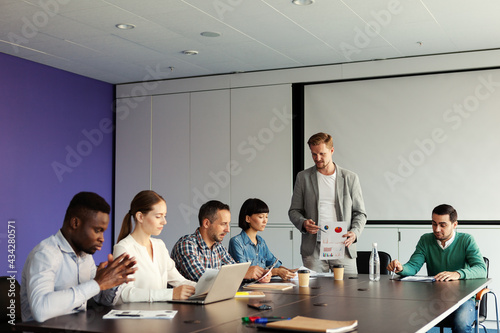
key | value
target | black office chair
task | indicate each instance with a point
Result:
(363, 261)
(9, 292)
(481, 306)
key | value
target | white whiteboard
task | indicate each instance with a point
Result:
(415, 141)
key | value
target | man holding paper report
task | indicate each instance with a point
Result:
(449, 256)
(324, 194)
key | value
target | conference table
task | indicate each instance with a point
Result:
(383, 306)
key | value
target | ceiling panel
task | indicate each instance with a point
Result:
(81, 36)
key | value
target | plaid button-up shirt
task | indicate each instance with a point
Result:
(192, 256)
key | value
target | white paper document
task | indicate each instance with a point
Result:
(332, 242)
(418, 278)
(140, 314)
(269, 271)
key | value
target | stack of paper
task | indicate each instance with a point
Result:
(249, 294)
(270, 286)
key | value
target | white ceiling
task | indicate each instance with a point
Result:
(80, 36)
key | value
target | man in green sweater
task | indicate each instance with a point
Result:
(449, 256)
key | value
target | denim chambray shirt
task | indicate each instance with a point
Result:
(242, 249)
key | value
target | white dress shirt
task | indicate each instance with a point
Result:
(55, 281)
(448, 242)
(152, 276)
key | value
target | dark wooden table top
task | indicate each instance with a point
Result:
(384, 306)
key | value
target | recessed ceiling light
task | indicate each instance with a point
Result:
(190, 52)
(302, 2)
(210, 34)
(125, 26)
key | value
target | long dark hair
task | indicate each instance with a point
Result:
(143, 202)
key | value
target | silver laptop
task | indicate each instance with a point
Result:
(224, 286)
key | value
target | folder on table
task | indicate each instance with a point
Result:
(308, 324)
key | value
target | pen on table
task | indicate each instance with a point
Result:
(249, 319)
(264, 320)
(127, 315)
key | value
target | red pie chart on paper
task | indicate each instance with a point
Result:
(338, 230)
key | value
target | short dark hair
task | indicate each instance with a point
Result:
(210, 209)
(85, 205)
(319, 138)
(250, 207)
(445, 209)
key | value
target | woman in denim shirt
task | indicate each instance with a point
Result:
(248, 246)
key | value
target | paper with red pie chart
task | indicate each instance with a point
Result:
(332, 242)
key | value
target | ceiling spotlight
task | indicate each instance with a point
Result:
(189, 52)
(302, 2)
(210, 34)
(125, 26)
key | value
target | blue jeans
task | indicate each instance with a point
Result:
(462, 319)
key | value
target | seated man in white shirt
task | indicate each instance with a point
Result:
(60, 274)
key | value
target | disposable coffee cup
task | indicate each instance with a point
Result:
(303, 277)
(338, 272)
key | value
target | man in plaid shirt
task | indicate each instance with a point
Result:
(203, 249)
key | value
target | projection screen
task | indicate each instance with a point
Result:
(415, 141)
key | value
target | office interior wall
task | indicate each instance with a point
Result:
(412, 67)
(415, 141)
(224, 144)
(203, 111)
(56, 139)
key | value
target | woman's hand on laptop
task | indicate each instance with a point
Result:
(183, 292)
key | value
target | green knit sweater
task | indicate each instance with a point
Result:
(462, 256)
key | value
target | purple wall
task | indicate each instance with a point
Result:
(55, 140)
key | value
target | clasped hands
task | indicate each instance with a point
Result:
(115, 271)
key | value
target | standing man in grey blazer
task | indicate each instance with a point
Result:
(326, 193)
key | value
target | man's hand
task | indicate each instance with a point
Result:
(254, 273)
(350, 238)
(447, 276)
(311, 227)
(183, 292)
(395, 264)
(114, 272)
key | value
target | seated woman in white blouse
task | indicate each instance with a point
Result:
(155, 267)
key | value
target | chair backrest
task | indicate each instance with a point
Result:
(484, 301)
(363, 260)
(10, 303)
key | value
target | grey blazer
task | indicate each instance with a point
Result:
(348, 203)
